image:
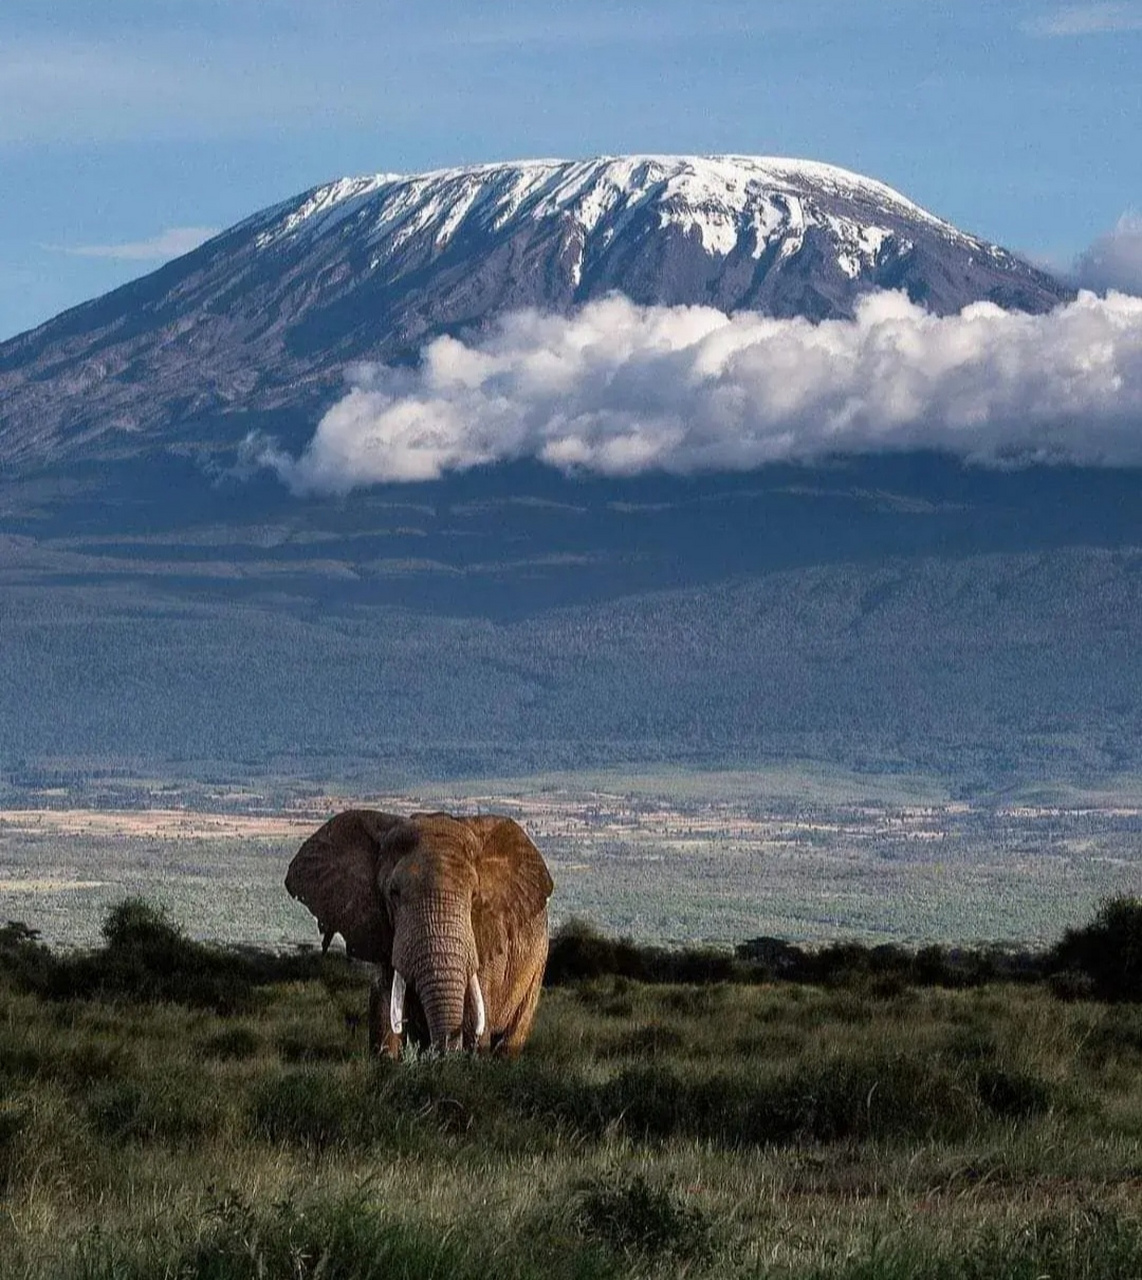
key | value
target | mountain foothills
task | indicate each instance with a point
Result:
(161, 607)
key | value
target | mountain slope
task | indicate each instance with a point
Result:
(888, 612)
(982, 669)
(264, 319)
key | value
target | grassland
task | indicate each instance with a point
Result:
(862, 1128)
(674, 856)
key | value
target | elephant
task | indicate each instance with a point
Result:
(452, 914)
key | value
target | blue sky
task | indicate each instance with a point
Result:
(130, 128)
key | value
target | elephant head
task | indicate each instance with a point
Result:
(440, 904)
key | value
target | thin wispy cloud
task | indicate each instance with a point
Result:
(96, 91)
(171, 243)
(628, 25)
(1089, 20)
(84, 90)
(621, 389)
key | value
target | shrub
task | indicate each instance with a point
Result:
(774, 956)
(1072, 984)
(310, 1108)
(23, 957)
(1091, 1243)
(578, 950)
(300, 1044)
(349, 1239)
(147, 958)
(232, 1044)
(1013, 1095)
(171, 1110)
(13, 1121)
(1108, 950)
(134, 925)
(632, 1216)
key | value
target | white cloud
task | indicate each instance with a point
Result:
(1114, 261)
(1090, 19)
(170, 243)
(622, 389)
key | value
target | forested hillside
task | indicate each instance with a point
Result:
(977, 667)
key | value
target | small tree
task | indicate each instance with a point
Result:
(135, 923)
(1108, 950)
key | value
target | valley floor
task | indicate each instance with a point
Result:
(799, 853)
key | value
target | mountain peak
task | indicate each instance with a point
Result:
(719, 197)
(265, 318)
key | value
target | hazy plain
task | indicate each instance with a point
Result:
(663, 856)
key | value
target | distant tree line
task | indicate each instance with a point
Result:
(145, 957)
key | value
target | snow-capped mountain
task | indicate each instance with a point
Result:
(895, 608)
(265, 317)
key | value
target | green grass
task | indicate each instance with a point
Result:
(792, 1130)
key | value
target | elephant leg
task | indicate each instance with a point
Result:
(382, 1041)
(523, 975)
(512, 1038)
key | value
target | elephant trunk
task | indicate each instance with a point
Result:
(442, 994)
(441, 965)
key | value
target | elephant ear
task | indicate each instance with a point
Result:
(512, 883)
(335, 873)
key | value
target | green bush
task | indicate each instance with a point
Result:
(13, 1122)
(146, 958)
(23, 957)
(300, 1044)
(134, 925)
(630, 1215)
(341, 1240)
(578, 951)
(1088, 1244)
(1108, 951)
(232, 1044)
(311, 1108)
(167, 1110)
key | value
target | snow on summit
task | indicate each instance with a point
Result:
(722, 201)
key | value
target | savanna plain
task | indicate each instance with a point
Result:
(944, 1079)
(801, 851)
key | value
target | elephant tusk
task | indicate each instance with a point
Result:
(396, 1004)
(478, 1002)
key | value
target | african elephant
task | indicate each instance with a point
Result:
(452, 912)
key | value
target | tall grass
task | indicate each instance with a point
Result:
(859, 1129)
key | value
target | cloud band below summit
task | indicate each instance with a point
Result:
(622, 389)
